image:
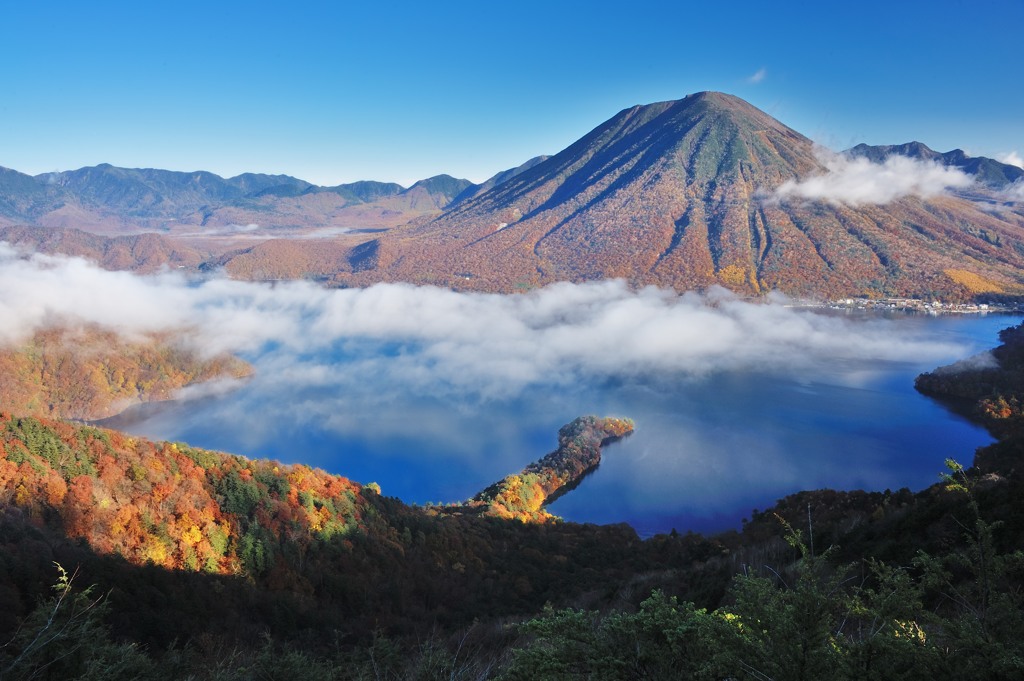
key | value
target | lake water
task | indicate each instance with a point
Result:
(707, 448)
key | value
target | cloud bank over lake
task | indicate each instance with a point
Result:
(437, 341)
(436, 394)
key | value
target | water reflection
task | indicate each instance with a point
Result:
(706, 449)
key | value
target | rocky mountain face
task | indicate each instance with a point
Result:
(681, 194)
(684, 194)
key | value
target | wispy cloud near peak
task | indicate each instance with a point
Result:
(1012, 158)
(1014, 193)
(858, 181)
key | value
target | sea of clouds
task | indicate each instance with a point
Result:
(438, 341)
(437, 393)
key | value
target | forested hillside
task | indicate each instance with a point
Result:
(217, 566)
(194, 553)
(709, 190)
(335, 555)
(89, 373)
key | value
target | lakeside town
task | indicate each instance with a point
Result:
(919, 306)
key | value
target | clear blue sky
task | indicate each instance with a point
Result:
(338, 91)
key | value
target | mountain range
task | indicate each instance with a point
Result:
(683, 194)
(110, 200)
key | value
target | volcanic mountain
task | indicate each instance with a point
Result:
(687, 194)
(683, 194)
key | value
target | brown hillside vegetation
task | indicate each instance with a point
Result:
(92, 373)
(143, 253)
(523, 496)
(678, 194)
(288, 259)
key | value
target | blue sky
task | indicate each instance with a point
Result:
(337, 91)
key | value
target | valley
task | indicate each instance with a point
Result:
(265, 416)
(278, 561)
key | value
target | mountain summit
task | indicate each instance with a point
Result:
(678, 194)
(703, 191)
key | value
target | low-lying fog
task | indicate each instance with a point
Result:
(434, 394)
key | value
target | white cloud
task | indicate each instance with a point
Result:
(1014, 193)
(859, 181)
(402, 338)
(1012, 158)
(758, 76)
(225, 230)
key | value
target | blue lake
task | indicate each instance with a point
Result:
(706, 450)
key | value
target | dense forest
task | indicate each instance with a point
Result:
(524, 495)
(126, 558)
(91, 373)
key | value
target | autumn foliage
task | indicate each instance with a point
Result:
(91, 373)
(523, 496)
(316, 549)
(168, 504)
(992, 391)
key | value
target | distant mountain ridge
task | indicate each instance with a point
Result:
(986, 170)
(109, 199)
(681, 194)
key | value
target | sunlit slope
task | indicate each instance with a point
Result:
(91, 373)
(680, 194)
(143, 253)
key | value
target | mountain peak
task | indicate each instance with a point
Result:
(672, 193)
(445, 185)
(716, 98)
(987, 170)
(642, 177)
(725, 111)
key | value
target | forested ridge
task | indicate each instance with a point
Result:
(126, 558)
(90, 373)
(525, 494)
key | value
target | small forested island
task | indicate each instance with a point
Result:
(523, 496)
(123, 558)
